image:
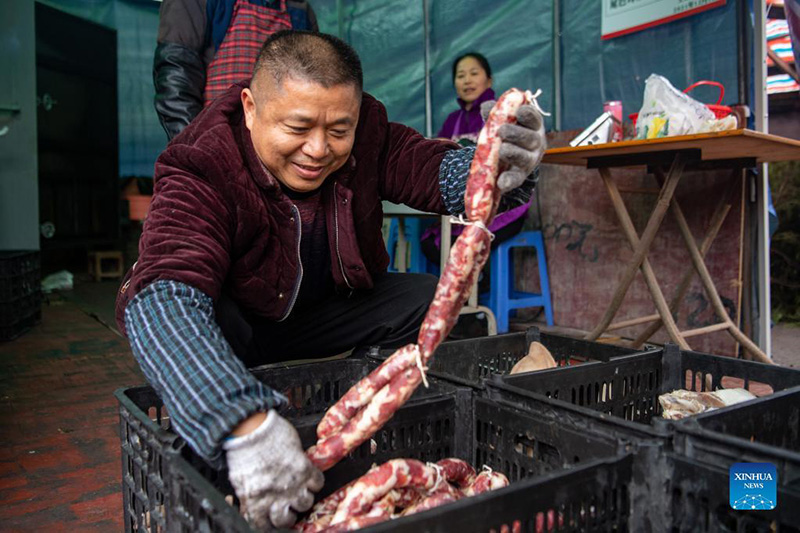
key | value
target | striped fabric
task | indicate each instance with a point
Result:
(781, 83)
(783, 48)
(234, 60)
(183, 354)
(777, 28)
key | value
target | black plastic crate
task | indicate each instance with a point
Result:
(699, 498)
(20, 315)
(146, 438)
(20, 308)
(15, 263)
(621, 397)
(471, 361)
(146, 444)
(589, 497)
(19, 285)
(310, 387)
(625, 390)
(20, 293)
(522, 445)
(766, 430)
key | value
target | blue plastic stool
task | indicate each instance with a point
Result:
(413, 231)
(503, 298)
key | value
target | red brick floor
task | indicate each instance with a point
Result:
(60, 458)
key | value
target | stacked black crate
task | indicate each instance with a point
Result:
(20, 293)
(561, 476)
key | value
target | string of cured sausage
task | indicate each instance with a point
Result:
(370, 403)
(399, 487)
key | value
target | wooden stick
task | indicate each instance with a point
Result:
(707, 329)
(634, 322)
(740, 276)
(639, 190)
(720, 213)
(711, 290)
(641, 247)
(783, 65)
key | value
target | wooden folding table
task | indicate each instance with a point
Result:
(667, 158)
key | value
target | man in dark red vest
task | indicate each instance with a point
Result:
(263, 243)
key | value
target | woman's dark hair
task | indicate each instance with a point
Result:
(479, 58)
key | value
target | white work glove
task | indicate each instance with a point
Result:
(523, 145)
(271, 474)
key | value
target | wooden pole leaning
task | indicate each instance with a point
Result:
(717, 218)
(640, 248)
(708, 283)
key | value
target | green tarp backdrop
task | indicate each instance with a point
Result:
(520, 38)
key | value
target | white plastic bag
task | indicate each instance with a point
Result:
(60, 281)
(667, 112)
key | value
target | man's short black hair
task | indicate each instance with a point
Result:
(479, 57)
(312, 56)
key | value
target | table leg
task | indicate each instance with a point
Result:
(471, 305)
(445, 244)
(708, 284)
(641, 248)
(720, 213)
(400, 256)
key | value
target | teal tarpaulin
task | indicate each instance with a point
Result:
(517, 36)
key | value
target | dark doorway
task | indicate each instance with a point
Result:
(76, 79)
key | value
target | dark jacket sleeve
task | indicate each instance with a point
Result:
(184, 239)
(312, 18)
(179, 70)
(412, 169)
(302, 14)
(408, 162)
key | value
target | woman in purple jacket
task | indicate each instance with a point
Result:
(472, 79)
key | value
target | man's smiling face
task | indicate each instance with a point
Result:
(301, 131)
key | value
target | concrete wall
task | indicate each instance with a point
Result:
(19, 196)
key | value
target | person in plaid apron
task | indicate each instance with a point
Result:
(204, 46)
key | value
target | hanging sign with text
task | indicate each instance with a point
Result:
(621, 17)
